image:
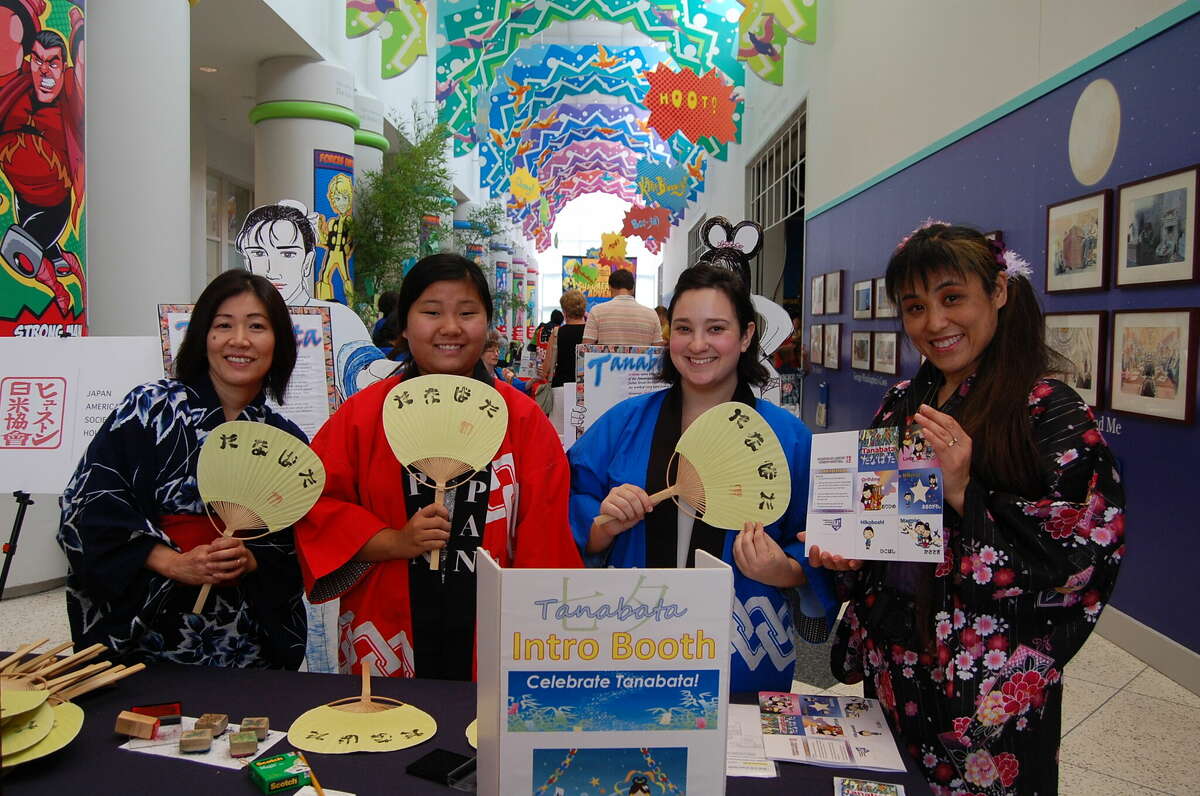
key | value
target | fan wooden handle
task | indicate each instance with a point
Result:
(439, 499)
(202, 598)
(656, 498)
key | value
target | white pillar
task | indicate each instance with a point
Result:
(303, 106)
(138, 162)
(369, 141)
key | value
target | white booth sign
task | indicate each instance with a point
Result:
(603, 678)
(55, 394)
(605, 375)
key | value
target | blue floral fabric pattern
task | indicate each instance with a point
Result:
(972, 681)
(140, 467)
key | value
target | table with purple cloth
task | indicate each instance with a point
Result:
(92, 763)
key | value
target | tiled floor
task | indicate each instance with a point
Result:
(1126, 728)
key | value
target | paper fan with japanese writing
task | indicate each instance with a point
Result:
(362, 724)
(731, 469)
(445, 427)
(256, 476)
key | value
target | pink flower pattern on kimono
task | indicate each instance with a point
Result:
(1019, 577)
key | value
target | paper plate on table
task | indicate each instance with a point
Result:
(473, 734)
(27, 729)
(68, 721)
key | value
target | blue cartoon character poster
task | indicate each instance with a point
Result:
(333, 196)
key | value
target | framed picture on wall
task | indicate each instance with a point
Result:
(833, 345)
(1079, 338)
(884, 352)
(833, 293)
(816, 344)
(863, 293)
(1154, 363)
(818, 295)
(1077, 235)
(860, 350)
(883, 305)
(1157, 225)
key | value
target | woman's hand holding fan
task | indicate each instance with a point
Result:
(255, 477)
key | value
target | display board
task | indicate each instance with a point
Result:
(603, 678)
(311, 396)
(55, 394)
(605, 375)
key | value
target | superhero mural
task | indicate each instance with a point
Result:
(43, 289)
(333, 193)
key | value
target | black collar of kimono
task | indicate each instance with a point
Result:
(410, 370)
(662, 524)
(207, 395)
(923, 389)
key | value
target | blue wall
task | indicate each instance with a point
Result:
(1003, 176)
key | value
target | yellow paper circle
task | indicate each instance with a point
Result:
(473, 734)
(68, 721)
(16, 701)
(1095, 131)
(27, 729)
(327, 730)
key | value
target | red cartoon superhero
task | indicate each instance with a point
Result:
(41, 155)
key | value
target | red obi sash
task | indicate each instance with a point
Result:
(188, 531)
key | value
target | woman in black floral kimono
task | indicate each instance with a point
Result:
(134, 528)
(967, 655)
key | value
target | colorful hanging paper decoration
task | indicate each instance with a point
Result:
(696, 106)
(401, 25)
(478, 38)
(647, 223)
(612, 248)
(662, 184)
(763, 31)
(524, 186)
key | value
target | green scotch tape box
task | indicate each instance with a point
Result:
(277, 773)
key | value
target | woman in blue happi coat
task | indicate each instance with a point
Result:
(713, 358)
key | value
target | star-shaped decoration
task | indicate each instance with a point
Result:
(919, 490)
(594, 781)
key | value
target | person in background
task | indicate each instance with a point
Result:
(491, 358)
(138, 542)
(543, 331)
(621, 320)
(559, 365)
(368, 537)
(387, 306)
(713, 358)
(967, 655)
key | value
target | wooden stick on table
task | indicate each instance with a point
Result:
(312, 775)
(70, 661)
(101, 680)
(21, 652)
(29, 666)
(63, 681)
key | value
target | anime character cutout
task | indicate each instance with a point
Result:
(278, 242)
(335, 239)
(41, 148)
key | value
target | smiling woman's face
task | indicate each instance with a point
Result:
(446, 328)
(951, 319)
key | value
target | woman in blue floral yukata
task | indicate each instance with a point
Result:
(134, 529)
(967, 656)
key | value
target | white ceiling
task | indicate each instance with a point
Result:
(235, 36)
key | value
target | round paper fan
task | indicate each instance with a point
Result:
(27, 729)
(68, 721)
(20, 695)
(256, 477)
(732, 469)
(361, 724)
(444, 427)
(473, 733)
(736, 471)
